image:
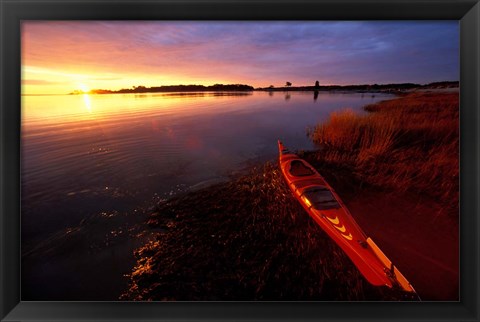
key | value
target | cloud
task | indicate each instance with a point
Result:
(38, 82)
(260, 52)
(104, 78)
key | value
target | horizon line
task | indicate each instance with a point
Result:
(117, 91)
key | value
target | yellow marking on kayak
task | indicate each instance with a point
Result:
(307, 202)
(349, 236)
(342, 229)
(334, 221)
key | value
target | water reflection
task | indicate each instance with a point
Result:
(207, 94)
(88, 103)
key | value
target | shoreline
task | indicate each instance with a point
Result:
(228, 249)
(248, 239)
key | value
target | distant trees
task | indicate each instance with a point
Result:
(229, 87)
(271, 86)
(317, 84)
(288, 84)
(174, 88)
(140, 89)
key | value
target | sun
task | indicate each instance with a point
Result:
(84, 88)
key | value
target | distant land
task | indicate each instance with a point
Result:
(366, 87)
(243, 87)
(170, 88)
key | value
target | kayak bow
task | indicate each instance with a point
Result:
(323, 204)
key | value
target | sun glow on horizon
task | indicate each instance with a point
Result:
(84, 88)
(39, 81)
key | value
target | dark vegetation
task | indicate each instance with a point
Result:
(389, 88)
(172, 88)
(247, 239)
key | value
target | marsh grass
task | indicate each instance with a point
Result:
(246, 239)
(407, 144)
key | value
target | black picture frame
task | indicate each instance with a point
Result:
(467, 12)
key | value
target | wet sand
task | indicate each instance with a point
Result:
(420, 236)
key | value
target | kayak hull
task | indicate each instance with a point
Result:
(326, 208)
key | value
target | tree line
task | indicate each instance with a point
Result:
(172, 88)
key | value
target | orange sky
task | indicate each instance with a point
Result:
(59, 57)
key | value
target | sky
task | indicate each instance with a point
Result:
(59, 57)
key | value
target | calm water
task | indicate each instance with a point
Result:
(84, 154)
(91, 163)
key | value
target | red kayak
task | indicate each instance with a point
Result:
(327, 209)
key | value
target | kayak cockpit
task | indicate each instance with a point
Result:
(319, 198)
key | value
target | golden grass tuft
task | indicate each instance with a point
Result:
(408, 144)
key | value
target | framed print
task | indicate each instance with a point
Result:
(241, 160)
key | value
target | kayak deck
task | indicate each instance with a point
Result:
(322, 203)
